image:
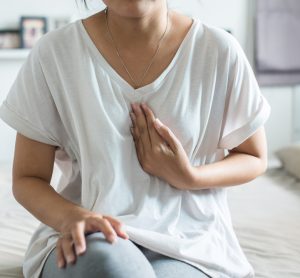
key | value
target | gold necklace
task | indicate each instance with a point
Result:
(122, 61)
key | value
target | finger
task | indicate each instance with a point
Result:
(150, 118)
(79, 238)
(167, 135)
(118, 226)
(141, 126)
(132, 133)
(138, 143)
(68, 249)
(106, 229)
(59, 255)
(133, 118)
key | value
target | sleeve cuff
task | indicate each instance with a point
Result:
(239, 135)
(14, 120)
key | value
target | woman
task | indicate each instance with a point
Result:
(150, 115)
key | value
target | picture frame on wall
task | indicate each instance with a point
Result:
(32, 28)
(9, 38)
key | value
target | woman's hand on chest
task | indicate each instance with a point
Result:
(158, 150)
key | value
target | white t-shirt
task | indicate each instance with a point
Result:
(66, 94)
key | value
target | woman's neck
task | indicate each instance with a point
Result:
(138, 31)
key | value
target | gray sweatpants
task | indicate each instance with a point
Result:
(122, 259)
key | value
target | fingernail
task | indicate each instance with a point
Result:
(158, 123)
(112, 238)
(69, 259)
(133, 106)
(79, 250)
(60, 264)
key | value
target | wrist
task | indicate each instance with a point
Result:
(195, 178)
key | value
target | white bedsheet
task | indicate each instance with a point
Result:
(16, 226)
(265, 214)
(266, 218)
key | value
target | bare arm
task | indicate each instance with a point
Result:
(32, 171)
(171, 163)
(244, 163)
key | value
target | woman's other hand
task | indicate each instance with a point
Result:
(159, 151)
(72, 241)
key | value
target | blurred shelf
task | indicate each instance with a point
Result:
(14, 54)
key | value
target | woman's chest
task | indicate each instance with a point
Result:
(95, 109)
(101, 117)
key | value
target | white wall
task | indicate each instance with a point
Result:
(236, 15)
(12, 9)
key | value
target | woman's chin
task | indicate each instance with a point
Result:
(133, 9)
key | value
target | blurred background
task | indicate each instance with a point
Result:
(247, 22)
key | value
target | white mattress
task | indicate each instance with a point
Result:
(16, 226)
(265, 214)
(266, 218)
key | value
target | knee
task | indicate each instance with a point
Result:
(103, 259)
(100, 259)
(99, 249)
(121, 259)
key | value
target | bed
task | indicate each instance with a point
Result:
(266, 218)
(265, 215)
(16, 226)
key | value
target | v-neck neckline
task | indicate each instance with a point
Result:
(128, 88)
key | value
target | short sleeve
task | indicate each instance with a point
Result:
(29, 107)
(246, 109)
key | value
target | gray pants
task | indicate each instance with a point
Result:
(122, 259)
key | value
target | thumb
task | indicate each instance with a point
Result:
(166, 134)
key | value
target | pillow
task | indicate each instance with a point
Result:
(290, 159)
